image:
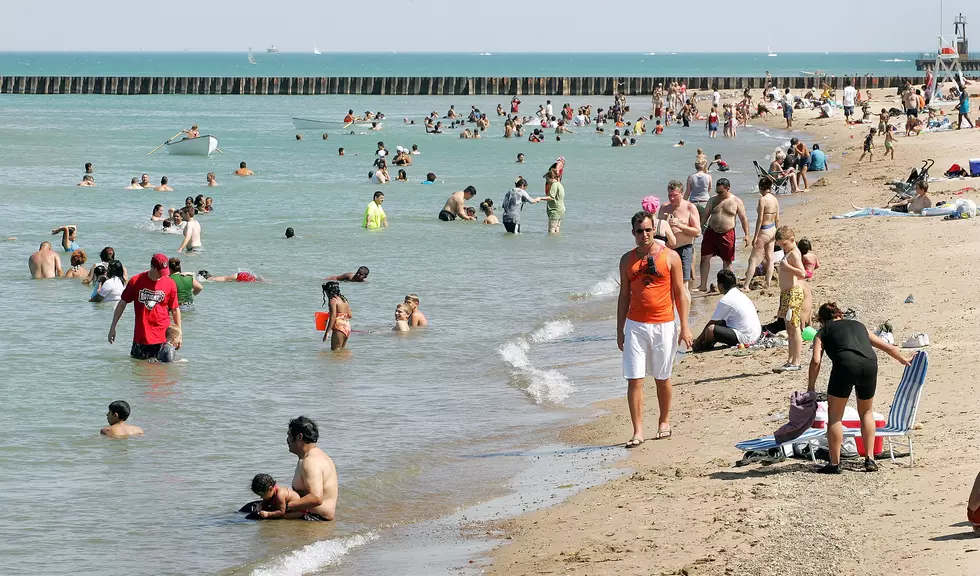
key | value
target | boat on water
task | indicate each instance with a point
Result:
(769, 48)
(315, 51)
(251, 57)
(485, 54)
(272, 49)
(310, 124)
(203, 145)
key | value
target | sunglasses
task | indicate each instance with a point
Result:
(652, 267)
(642, 230)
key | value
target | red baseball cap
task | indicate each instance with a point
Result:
(161, 263)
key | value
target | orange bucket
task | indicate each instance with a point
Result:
(321, 320)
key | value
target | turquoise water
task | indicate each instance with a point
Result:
(522, 334)
(449, 64)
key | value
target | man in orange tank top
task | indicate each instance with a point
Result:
(651, 289)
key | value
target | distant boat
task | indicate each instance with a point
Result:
(769, 48)
(315, 51)
(650, 54)
(251, 57)
(485, 54)
(200, 146)
(894, 60)
(272, 49)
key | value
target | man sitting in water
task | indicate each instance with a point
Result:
(456, 205)
(164, 187)
(359, 276)
(915, 204)
(68, 234)
(211, 180)
(44, 263)
(243, 171)
(416, 317)
(87, 180)
(118, 428)
(145, 181)
(735, 320)
(315, 478)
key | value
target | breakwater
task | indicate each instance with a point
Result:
(410, 85)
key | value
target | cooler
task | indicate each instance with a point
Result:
(974, 166)
(852, 420)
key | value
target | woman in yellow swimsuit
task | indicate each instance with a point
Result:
(340, 315)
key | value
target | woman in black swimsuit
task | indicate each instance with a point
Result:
(850, 346)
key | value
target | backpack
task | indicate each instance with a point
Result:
(956, 171)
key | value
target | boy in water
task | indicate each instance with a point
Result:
(791, 296)
(402, 312)
(117, 416)
(168, 352)
(722, 165)
(415, 318)
(274, 497)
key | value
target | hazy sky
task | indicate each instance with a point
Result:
(466, 26)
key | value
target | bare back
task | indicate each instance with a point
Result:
(44, 264)
(455, 204)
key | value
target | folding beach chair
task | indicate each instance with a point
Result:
(767, 443)
(780, 184)
(901, 415)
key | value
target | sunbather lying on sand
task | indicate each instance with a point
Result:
(915, 204)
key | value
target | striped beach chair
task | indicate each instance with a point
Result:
(901, 415)
(767, 443)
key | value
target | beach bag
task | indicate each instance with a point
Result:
(955, 171)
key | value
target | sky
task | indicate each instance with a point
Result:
(467, 26)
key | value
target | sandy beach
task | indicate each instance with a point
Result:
(683, 508)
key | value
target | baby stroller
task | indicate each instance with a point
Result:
(780, 184)
(906, 189)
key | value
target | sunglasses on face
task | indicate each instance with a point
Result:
(643, 231)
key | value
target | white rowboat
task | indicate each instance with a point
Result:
(200, 146)
(307, 124)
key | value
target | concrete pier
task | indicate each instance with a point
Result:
(411, 86)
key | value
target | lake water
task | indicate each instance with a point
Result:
(522, 335)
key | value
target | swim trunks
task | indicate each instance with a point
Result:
(446, 216)
(314, 517)
(687, 259)
(144, 351)
(791, 301)
(713, 126)
(722, 245)
(848, 111)
(194, 249)
(787, 112)
(245, 277)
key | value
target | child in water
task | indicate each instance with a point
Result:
(118, 428)
(168, 352)
(402, 312)
(274, 497)
(487, 207)
(338, 326)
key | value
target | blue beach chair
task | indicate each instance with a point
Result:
(767, 443)
(901, 415)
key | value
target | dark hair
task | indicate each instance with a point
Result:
(107, 254)
(470, 190)
(164, 180)
(167, 224)
(640, 217)
(199, 199)
(324, 135)
(804, 246)
(816, 146)
(189, 211)
(88, 165)
(520, 182)
(765, 184)
(430, 177)
(378, 194)
(724, 182)
(174, 263)
(829, 312)
(330, 290)
(303, 426)
(363, 271)
(726, 280)
(120, 408)
(262, 483)
(242, 165)
(290, 232)
(157, 207)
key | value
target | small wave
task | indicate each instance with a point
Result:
(894, 60)
(544, 386)
(313, 557)
(600, 288)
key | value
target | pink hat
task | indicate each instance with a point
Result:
(651, 204)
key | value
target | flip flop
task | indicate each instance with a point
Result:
(634, 442)
(663, 434)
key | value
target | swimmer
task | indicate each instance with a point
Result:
(340, 152)
(209, 204)
(211, 180)
(192, 233)
(415, 147)
(87, 180)
(402, 176)
(89, 169)
(118, 428)
(299, 136)
(455, 205)
(487, 207)
(243, 276)
(44, 263)
(374, 215)
(338, 326)
(168, 352)
(243, 170)
(275, 498)
(430, 178)
(416, 318)
(679, 144)
(325, 135)
(77, 269)
(134, 184)
(359, 276)
(520, 157)
(157, 214)
(402, 312)
(290, 232)
(145, 181)
(164, 187)
(68, 235)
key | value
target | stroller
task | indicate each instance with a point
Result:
(906, 189)
(780, 184)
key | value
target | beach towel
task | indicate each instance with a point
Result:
(864, 212)
(802, 411)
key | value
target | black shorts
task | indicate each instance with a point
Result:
(725, 335)
(144, 351)
(853, 371)
(512, 227)
(446, 216)
(901, 208)
(912, 112)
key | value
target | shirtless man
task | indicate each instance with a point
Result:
(764, 240)
(134, 184)
(416, 318)
(118, 428)
(243, 171)
(915, 204)
(685, 222)
(145, 181)
(87, 180)
(719, 235)
(164, 187)
(456, 205)
(192, 232)
(359, 276)
(44, 263)
(211, 181)
(315, 479)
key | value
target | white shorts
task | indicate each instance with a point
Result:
(649, 347)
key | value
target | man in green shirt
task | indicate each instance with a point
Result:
(556, 203)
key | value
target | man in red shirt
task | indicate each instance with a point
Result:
(154, 295)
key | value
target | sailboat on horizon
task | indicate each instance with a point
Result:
(251, 57)
(769, 48)
(315, 51)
